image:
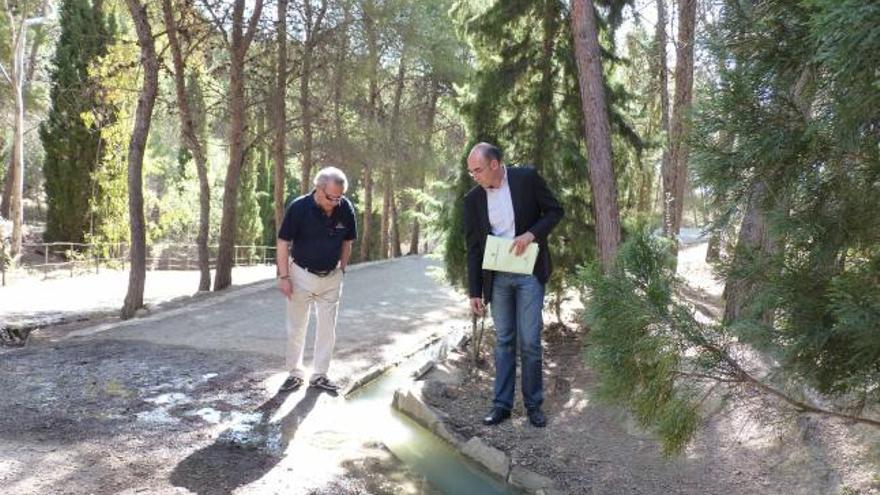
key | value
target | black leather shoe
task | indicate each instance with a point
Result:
(537, 418)
(495, 416)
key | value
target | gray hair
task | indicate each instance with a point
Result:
(331, 174)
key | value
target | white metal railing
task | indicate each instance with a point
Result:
(88, 257)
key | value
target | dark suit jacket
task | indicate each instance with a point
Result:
(535, 210)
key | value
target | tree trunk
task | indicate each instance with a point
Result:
(674, 183)
(238, 48)
(713, 249)
(754, 240)
(134, 299)
(312, 26)
(386, 213)
(667, 173)
(280, 115)
(390, 230)
(414, 237)
(643, 203)
(372, 113)
(368, 208)
(191, 140)
(340, 71)
(16, 211)
(7, 190)
(15, 176)
(395, 226)
(428, 132)
(305, 106)
(598, 133)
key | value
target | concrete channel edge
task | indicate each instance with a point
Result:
(409, 401)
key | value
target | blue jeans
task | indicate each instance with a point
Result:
(517, 301)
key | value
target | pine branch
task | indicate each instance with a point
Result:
(743, 376)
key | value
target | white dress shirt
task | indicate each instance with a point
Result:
(500, 206)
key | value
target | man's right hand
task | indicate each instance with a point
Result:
(477, 306)
(285, 286)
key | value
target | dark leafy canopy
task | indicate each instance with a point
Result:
(73, 145)
(525, 98)
(799, 93)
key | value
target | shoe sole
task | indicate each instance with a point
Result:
(323, 387)
(291, 387)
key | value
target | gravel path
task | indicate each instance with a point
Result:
(184, 400)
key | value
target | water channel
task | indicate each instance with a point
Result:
(447, 470)
(344, 426)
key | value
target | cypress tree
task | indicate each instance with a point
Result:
(72, 144)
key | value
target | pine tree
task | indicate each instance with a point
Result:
(73, 146)
(785, 144)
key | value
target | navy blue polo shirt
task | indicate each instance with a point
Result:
(317, 238)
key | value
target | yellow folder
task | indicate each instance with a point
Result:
(499, 257)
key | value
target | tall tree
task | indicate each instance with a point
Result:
(134, 298)
(597, 129)
(427, 130)
(340, 71)
(279, 113)
(390, 230)
(73, 146)
(369, 15)
(237, 44)
(675, 176)
(312, 22)
(660, 39)
(18, 21)
(193, 144)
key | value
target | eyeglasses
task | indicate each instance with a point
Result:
(476, 171)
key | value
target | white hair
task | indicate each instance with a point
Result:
(331, 174)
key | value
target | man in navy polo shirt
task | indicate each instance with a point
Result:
(314, 246)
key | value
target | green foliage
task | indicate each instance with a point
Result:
(526, 99)
(71, 135)
(265, 198)
(119, 87)
(638, 336)
(249, 226)
(793, 110)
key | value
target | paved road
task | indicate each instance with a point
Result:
(35, 302)
(172, 403)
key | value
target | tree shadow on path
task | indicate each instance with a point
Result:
(242, 455)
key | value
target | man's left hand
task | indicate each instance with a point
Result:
(521, 242)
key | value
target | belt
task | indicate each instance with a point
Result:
(320, 273)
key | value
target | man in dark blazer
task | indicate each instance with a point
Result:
(512, 203)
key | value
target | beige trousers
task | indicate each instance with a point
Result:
(323, 293)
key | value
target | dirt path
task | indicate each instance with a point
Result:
(184, 400)
(592, 448)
